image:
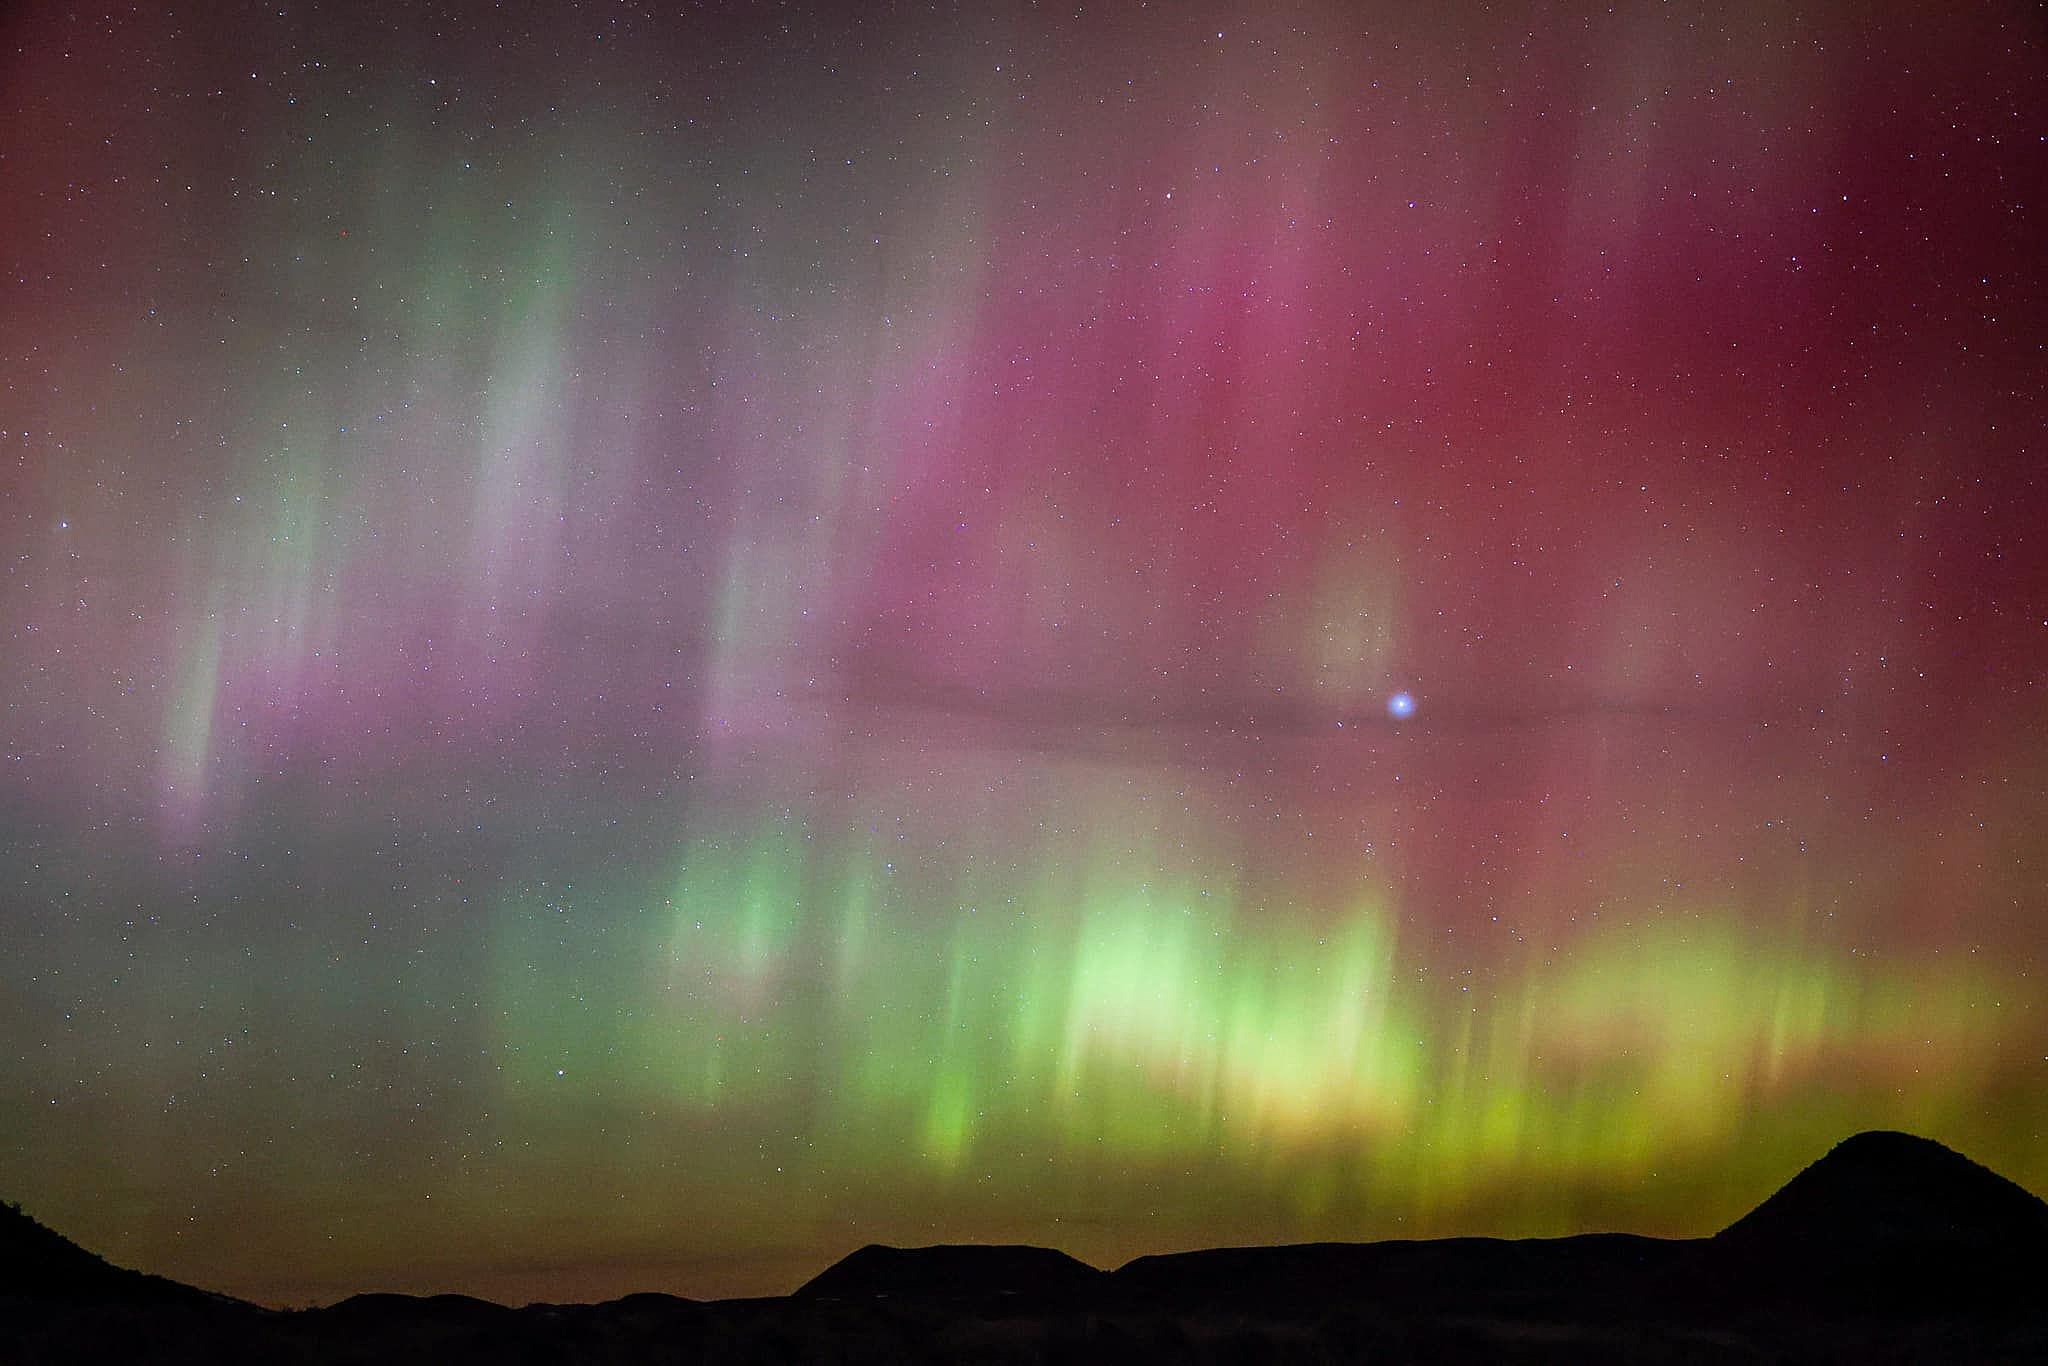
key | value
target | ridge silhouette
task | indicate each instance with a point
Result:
(1888, 1247)
(36, 1260)
(950, 1269)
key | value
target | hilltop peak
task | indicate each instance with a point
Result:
(1887, 1187)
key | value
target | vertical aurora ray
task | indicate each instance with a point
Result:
(189, 718)
(523, 437)
(283, 572)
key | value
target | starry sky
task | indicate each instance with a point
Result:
(640, 644)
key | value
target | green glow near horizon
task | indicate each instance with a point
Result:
(1154, 1019)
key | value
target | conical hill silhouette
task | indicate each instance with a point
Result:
(1886, 1225)
(1890, 1188)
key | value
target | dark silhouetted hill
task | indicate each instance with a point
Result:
(1888, 1224)
(36, 1261)
(439, 1308)
(951, 1271)
(1889, 1248)
(1467, 1275)
(1893, 1189)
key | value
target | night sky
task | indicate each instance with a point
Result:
(637, 648)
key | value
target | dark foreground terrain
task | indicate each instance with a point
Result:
(1890, 1248)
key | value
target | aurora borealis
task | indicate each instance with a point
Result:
(640, 647)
